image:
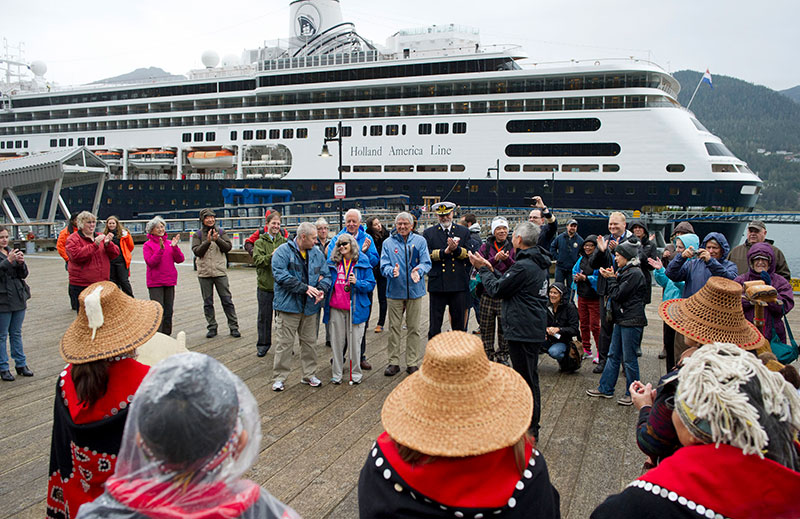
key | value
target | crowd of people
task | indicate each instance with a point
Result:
(727, 408)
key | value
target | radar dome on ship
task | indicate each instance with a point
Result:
(210, 59)
(39, 68)
(230, 60)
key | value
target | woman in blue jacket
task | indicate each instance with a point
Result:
(348, 301)
(695, 266)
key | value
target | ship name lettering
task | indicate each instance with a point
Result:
(440, 150)
(365, 151)
(405, 152)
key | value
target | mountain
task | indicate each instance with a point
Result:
(793, 93)
(141, 75)
(747, 117)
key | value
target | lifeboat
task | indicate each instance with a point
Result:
(111, 157)
(9, 157)
(152, 158)
(219, 159)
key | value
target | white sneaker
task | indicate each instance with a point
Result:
(278, 386)
(312, 381)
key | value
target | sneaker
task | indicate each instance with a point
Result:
(378, 329)
(336, 381)
(595, 360)
(625, 400)
(278, 386)
(597, 393)
(587, 354)
(312, 381)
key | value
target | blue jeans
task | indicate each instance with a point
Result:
(622, 350)
(557, 350)
(11, 325)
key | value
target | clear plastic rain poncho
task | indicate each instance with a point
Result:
(192, 431)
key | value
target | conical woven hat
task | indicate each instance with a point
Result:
(459, 403)
(713, 314)
(127, 324)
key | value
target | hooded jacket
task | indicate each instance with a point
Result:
(211, 255)
(738, 255)
(263, 249)
(523, 289)
(160, 257)
(647, 251)
(565, 317)
(293, 275)
(587, 289)
(695, 272)
(605, 259)
(14, 292)
(360, 293)
(408, 253)
(626, 295)
(475, 236)
(361, 236)
(773, 317)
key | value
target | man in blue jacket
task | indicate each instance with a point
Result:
(565, 250)
(404, 263)
(352, 226)
(301, 281)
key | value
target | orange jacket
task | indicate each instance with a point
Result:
(126, 246)
(61, 243)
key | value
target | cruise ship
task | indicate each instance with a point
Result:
(432, 113)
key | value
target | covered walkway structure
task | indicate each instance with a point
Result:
(46, 174)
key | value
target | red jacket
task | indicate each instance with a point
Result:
(88, 263)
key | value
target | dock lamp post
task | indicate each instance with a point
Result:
(496, 169)
(325, 153)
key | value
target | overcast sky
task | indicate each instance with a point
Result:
(85, 40)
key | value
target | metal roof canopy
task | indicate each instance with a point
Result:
(52, 171)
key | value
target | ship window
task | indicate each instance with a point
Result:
(364, 131)
(610, 168)
(533, 105)
(211, 136)
(569, 190)
(675, 168)
(431, 168)
(81, 141)
(587, 149)
(512, 168)
(573, 103)
(288, 133)
(69, 142)
(90, 141)
(302, 133)
(634, 101)
(630, 191)
(553, 104)
(376, 130)
(392, 129)
(609, 190)
(425, 129)
(588, 190)
(345, 169)
(473, 188)
(674, 191)
(186, 137)
(442, 128)
(718, 150)
(233, 135)
(695, 191)
(580, 168)
(457, 168)
(347, 131)
(398, 169)
(534, 168)
(459, 127)
(590, 124)
(592, 103)
(652, 191)
(699, 125)
(3, 144)
(53, 143)
(247, 135)
(261, 134)
(331, 132)
(748, 190)
(614, 102)
(366, 169)
(198, 137)
(723, 168)
(274, 134)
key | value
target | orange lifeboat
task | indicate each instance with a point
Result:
(112, 157)
(152, 157)
(211, 159)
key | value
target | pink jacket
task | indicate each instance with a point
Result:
(161, 259)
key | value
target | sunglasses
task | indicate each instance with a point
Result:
(342, 244)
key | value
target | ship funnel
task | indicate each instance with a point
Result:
(309, 18)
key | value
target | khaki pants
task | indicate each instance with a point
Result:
(413, 339)
(287, 327)
(338, 324)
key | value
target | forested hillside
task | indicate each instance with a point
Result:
(747, 117)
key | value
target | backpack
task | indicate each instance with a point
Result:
(572, 358)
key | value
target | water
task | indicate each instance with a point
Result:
(787, 239)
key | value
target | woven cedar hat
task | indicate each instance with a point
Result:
(713, 314)
(115, 324)
(459, 403)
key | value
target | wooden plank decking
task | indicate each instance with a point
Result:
(314, 440)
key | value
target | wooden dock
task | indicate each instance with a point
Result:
(314, 440)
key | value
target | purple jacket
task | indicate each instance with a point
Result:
(488, 251)
(161, 271)
(773, 315)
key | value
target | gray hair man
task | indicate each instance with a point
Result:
(523, 289)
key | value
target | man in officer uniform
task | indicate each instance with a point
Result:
(448, 280)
